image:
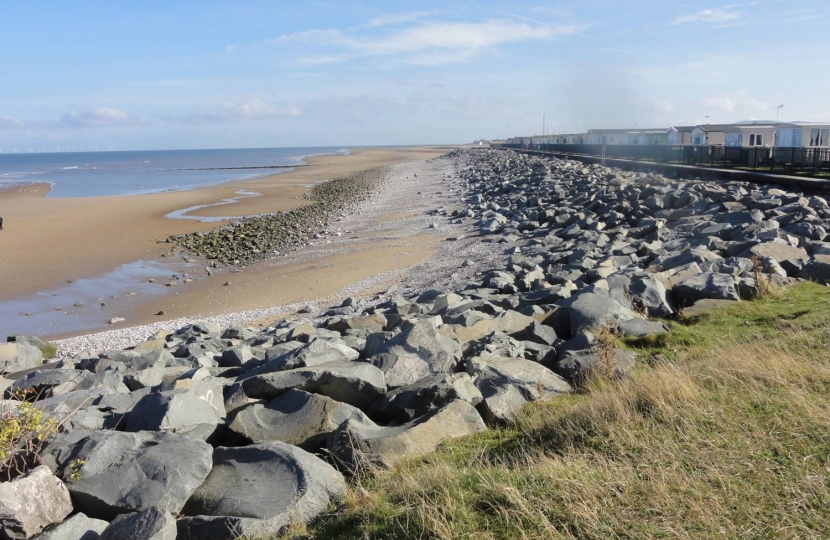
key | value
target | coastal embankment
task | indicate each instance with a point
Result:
(665, 328)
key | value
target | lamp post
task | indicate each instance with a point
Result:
(777, 113)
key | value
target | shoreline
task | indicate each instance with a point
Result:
(392, 244)
(82, 238)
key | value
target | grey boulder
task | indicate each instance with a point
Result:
(357, 445)
(125, 472)
(355, 383)
(296, 417)
(588, 310)
(257, 491)
(705, 286)
(642, 328)
(148, 524)
(420, 348)
(576, 366)
(817, 270)
(175, 411)
(430, 393)
(32, 502)
(78, 527)
(507, 384)
(19, 356)
(650, 293)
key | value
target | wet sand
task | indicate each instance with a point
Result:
(49, 241)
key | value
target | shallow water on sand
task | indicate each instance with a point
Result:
(77, 306)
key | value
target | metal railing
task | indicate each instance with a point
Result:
(807, 161)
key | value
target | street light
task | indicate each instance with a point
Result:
(777, 112)
(707, 128)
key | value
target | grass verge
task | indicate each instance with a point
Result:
(722, 432)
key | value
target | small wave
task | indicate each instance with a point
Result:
(69, 168)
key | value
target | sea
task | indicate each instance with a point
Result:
(93, 174)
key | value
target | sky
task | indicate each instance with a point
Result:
(249, 73)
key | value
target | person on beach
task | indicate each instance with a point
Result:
(1, 223)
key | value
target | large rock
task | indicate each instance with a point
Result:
(650, 293)
(148, 524)
(316, 353)
(589, 310)
(355, 383)
(357, 445)
(420, 343)
(176, 411)
(642, 328)
(295, 417)
(705, 286)
(507, 384)
(32, 502)
(789, 257)
(817, 270)
(510, 322)
(19, 356)
(78, 527)
(576, 366)
(126, 472)
(430, 393)
(257, 491)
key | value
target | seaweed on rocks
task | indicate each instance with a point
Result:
(257, 238)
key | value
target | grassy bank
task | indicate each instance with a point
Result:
(723, 432)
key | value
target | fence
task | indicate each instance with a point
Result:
(809, 161)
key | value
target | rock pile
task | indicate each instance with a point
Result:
(212, 432)
(261, 237)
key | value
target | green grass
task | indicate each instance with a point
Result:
(723, 432)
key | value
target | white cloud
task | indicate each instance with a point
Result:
(735, 101)
(556, 12)
(400, 18)
(248, 108)
(99, 117)
(7, 122)
(717, 15)
(433, 43)
(664, 106)
(231, 48)
(322, 60)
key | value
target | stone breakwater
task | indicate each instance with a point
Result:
(214, 431)
(261, 237)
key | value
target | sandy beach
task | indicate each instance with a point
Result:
(53, 241)
(48, 241)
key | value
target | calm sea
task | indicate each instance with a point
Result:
(87, 174)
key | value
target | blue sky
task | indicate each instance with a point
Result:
(164, 75)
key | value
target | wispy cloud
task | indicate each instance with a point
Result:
(556, 12)
(735, 101)
(399, 18)
(240, 109)
(433, 43)
(95, 117)
(664, 106)
(100, 117)
(7, 122)
(718, 15)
